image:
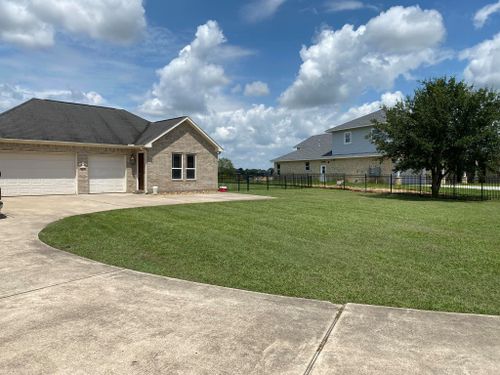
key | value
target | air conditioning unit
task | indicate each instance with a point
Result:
(374, 171)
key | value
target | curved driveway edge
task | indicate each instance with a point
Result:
(60, 313)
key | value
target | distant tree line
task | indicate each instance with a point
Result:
(226, 168)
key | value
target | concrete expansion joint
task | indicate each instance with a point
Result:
(108, 203)
(324, 341)
(62, 283)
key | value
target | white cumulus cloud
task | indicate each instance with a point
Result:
(484, 13)
(259, 10)
(483, 63)
(252, 136)
(11, 96)
(344, 63)
(388, 99)
(257, 88)
(193, 79)
(33, 23)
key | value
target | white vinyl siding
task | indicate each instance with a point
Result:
(347, 138)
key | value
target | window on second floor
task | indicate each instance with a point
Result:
(347, 138)
(308, 166)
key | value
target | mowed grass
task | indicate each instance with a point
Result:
(338, 246)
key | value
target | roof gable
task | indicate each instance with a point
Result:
(316, 147)
(360, 122)
(162, 128)
(156, 129)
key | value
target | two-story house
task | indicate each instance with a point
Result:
(346, 148)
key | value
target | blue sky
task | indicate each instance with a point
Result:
(258, 75)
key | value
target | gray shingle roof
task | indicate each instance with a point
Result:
(313, 148)
(52, 120)
(360, 122)
(155, 129)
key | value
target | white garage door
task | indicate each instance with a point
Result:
(107, 174)
(33, 173)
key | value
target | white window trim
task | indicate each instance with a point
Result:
(350, 138)
(194, 169)
(172, 166)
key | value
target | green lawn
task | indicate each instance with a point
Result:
(332, 245)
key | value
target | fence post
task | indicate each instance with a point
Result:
(248, 183)
(238, 181)
(285, 182)
(390, 179)
(267, 182)
(344, 182)
(420, 183)
(482, 190)
(366, 184)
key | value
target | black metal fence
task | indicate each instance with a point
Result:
(485, 189)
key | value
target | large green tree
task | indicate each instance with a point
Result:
(226, 166)
(446, 128)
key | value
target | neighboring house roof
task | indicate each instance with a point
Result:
(313, 148)
(56, 121)
(360, 122)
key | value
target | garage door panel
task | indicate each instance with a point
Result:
(37, 174)
(107, 174)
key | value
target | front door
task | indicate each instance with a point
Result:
(140, 171)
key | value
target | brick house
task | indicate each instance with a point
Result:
(345, 148)
(53, 147)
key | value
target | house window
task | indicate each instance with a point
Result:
(176, 166)
(308, 166)
(347, 138)
(278, 169)
(190, 167)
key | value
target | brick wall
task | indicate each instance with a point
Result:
(184, 139)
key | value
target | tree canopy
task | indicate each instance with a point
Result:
(226, 166)
(447, 128)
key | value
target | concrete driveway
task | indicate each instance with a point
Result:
(63, 314)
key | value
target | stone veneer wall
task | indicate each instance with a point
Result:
(184, 139)
(350, 166)
(299, 167)
(82, 155)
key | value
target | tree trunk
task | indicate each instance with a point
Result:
(436, 182)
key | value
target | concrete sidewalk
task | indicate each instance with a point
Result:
(63, 314)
